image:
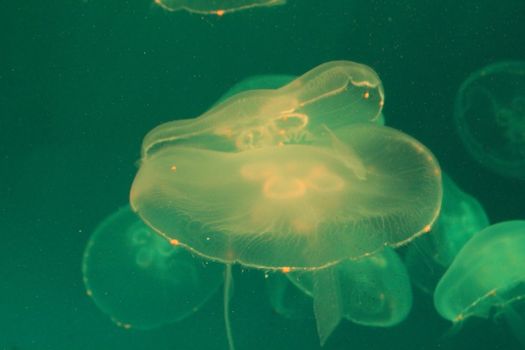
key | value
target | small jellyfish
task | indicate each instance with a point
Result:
(490, 117)
(330, 96)
(372, 291)
(141, 280)
(215, 7)
(487, 277)
(460, 218)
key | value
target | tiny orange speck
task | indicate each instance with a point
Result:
(174, 242)
(427, 229)
(173, 168)
(366, 95)
(219, 12)
(286, 269)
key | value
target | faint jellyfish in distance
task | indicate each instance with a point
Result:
(372, 291)
(487, 278)
(139, 279)
(215, 7)
(490, 117)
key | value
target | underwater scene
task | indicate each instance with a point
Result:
(262, 174)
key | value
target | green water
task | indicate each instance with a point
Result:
(81, 83)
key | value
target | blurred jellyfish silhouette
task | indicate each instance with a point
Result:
(139, 279)
(490, 117)
(372, 291)
(216, 7)
(487, 278)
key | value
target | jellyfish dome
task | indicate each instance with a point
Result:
(215, 7)
(490, 117)
(371, 291)
(487, 274)
(298, 177)
(140, 280)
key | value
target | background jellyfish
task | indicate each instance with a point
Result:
(460, 218)
(487, 277)
(330, 96)
(490, 117)
(139, 279)
(371, 291)
(215, 7)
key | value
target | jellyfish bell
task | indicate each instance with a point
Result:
(372, 291)
(490, 117)
(139, 279)
(487, 277)
(215, 7)
(299, 206)
(333, 95)
(300, 177)
(293, 207)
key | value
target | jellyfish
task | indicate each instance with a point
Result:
(300, 205)
(267, 81)
(372, 291)
(139, 279)
(318, 181)
(490, 117)
(460, 218)
(215, 7)
(330, 96)
(487, 278)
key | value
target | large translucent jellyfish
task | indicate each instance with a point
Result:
(215, 7)
(371, 291)
(460, 218)
(300, 177)
(139, 279)
(490, 117)
(303, 206)
(487, 277)
(330, 96)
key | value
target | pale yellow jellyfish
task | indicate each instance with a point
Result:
(215, 7)
(332, 95)
(302, 206)
(300, 177)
